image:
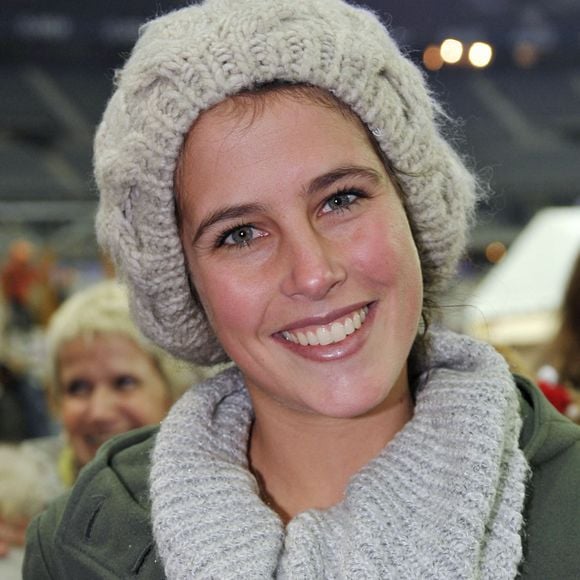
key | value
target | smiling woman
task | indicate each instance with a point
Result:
(314, 226)
(104, 377)
(277, 192)
(109, 386)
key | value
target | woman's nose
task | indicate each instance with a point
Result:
(102, 405)
(311, 266)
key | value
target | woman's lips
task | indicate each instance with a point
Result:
(332, 333)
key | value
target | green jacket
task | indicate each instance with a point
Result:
(102, 529)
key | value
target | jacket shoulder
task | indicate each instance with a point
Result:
(545, 432)
(101, 528)
(551, 444)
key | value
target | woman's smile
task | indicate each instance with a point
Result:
(342, 337)
(325, 334)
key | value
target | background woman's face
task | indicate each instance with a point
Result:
(109, 385)
(302, 255)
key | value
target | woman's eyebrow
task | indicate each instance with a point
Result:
(327, 179)
(226, 213)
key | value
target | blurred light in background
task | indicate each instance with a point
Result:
(495, 251)
(55, 27)
(432, 57)
(120, 30)
(526, 54)
(480, 54)
(451, 50)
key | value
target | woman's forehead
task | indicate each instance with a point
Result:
(232, 123)
(286, 138)
(242, 110)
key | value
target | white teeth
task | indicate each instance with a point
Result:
(349, 326)
(337, 331)
(325, 335)
(312, 338)
(302, 338)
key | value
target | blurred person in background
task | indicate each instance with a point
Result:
(28, 481)
(18, 276)
(559, 372)
(23, 410)
(33, 285)
(53, 286)
(103, 378)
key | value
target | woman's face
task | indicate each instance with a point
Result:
(302, 256)
(109, 385)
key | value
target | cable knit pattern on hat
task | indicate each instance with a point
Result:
(189, 60)
(443, 500)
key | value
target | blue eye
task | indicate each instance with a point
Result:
(239, 236)
(341, 201)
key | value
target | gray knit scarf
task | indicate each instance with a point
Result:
(443, 499)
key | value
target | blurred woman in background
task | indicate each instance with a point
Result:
(103, 378)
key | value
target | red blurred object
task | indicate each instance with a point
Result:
(557, 394)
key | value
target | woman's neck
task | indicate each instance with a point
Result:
(305, 461)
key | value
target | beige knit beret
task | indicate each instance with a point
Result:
(190, 59)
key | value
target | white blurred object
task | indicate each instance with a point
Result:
(28, 479)
(11, 565)
(517, 302)
(547, 374)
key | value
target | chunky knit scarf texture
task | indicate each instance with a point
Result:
(443, 499)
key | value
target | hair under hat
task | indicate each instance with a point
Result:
(189, 60)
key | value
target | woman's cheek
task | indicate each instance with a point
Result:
(227, 295)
